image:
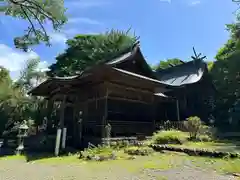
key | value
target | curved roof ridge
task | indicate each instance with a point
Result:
(123, 52)
(183, 74)
(187, 63)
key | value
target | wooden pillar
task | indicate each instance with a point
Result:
(50, 104)
(154, 113)
(62, 116)
(80, 125)
(79, 121)
(178, 113)
(62, 112)
(75, 122)
(105, 121)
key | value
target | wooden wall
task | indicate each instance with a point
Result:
(128, 110)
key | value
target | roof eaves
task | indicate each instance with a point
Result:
(189, 63)
(120, 59)
(139, 76)
(161, 95)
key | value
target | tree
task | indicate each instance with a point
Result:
(87, 50)
(30, 76)
(15, 105)
(168, 63)
(4, 76)
(226, 79)
(232, 44)
(236, 26)
(210, 65)
(35, 11)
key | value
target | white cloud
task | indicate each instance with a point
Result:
(84, 20)
(14, 60)
(74, 31)
(57, 38)
(43, 66)
(194, 3)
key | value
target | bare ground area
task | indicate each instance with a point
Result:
(141, 168)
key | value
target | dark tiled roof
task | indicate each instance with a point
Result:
(179, 75)
(183, 74)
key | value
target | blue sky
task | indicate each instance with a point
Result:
(167, 28)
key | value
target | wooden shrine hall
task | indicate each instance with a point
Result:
(123, 92)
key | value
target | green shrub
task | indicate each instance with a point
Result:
(204, 138)
(193, 126)
(142, 151)
(169, 137)
(119, 144)
(99, 153)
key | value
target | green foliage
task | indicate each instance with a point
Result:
(30, 76)
(119, 144)
(226, 79)
(210, 65)
(5, 76)
(166, 64)
(142, 151)
(169, 137)
(99, 153)
(36, 12)
(227, 50)
(196, 151)
(194, 126)
(15, 105)
(205, 138)
(234, 114)
(225, 75)
(232, 44)
(85, 51)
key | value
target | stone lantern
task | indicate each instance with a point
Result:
(22, 133)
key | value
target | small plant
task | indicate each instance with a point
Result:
(100, 153)
(204, 138)
(142, 151)
(193, 126)
(120, 144)
(169, 137)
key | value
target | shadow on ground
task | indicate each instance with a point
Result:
(32, 155)
(228, 145)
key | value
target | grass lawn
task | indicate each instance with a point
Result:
(159, 166)
(226, 146)
(181, 139)
(158, 161)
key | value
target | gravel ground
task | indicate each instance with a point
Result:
(20, 170)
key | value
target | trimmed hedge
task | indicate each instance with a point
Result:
(170, 137)
(196, 152)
